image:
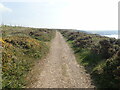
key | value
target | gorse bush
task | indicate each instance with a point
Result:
(41, 34)
(100, 55)
(20, 52)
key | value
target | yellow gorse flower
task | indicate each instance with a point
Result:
(1, 40)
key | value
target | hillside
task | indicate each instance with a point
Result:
(57, 58)
(100, 55)
(22, 47)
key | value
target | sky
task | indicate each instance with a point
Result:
(62, 14)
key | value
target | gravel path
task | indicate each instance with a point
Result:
(59, 69)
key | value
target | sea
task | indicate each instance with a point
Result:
(111, 34)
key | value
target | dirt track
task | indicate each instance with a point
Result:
(59, 69)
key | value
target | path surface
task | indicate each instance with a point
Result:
(60, 69)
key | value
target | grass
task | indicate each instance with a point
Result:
(104, 71)
(86, 58)
(20, 51)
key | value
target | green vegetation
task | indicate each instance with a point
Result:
(100, 55)
(22, 47)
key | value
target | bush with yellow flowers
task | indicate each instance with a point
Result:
(20, 52)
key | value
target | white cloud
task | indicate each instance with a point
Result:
(4, 9)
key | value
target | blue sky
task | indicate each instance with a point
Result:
(35, 14)
(70, 14)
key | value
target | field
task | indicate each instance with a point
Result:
(21, 48)
(100, 55)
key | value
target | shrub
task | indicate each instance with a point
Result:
(100, 55)
(20, 51)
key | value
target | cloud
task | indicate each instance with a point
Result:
(4, 9)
